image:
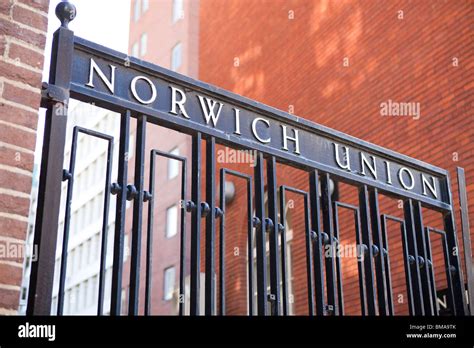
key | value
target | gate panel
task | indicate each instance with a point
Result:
(422, 260)
(150, 196)
(310, 238)
(93, 73)
(222, 233)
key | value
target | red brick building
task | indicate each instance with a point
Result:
(23, 26)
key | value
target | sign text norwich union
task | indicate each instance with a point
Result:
(183, 103)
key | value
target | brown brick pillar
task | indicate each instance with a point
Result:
(23, 25)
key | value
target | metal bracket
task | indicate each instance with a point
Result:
(132, 192)
(218, 213)
(205, 209)
(66, 175)
(52, 94)
(146, 196)
(256, 223)
(268, 225)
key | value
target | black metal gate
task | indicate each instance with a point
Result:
(152, 95)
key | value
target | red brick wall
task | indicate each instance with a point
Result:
(23, 26)
(291, 55)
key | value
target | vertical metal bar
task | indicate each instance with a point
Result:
(340, 293)
(250, 244)
(449, 275)
(360, 266)
(137, 217)
(210, 226)
(429, 264)
(424, 269)
(318, 247)
(379, 258)
(408, 274)
(273, 235)
(260, 238)
(105, 224)
(49, 191)
(413, 264)
(67, 222)
(222, 244)
(284, 261)
(196, 225)
(121, 206)
(385, 255)
(309, 255)
(331, 279)
(367, 240)
(460, 306)
(182, 245)
(466, 237)
(149, 241)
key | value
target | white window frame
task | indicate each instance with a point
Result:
(136, 10)
(135, 50)
(145, 5)
(176, 56)
(178, 10)
(173, 165)
(169, 279)
(143, 44)
(171, 226)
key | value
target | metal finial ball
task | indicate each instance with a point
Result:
(66, 12)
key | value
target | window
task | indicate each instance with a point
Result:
(168, 283)
(94, 289)
(135, 50)
(92, 254)
(136, 10)
(143, 44)
(71, 258)
(79, 257)
(145, 6)
(178, 10)
(81, 296)
(87, 213)
(171, 221)
(75, 299)
(97, 208)
(173, 165)
(85, 252)
(176, 57)
(87, 292)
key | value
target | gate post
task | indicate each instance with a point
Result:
(460, 305)
(49, 195)
(466, 237)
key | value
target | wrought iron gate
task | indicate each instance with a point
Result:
(152, 95)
